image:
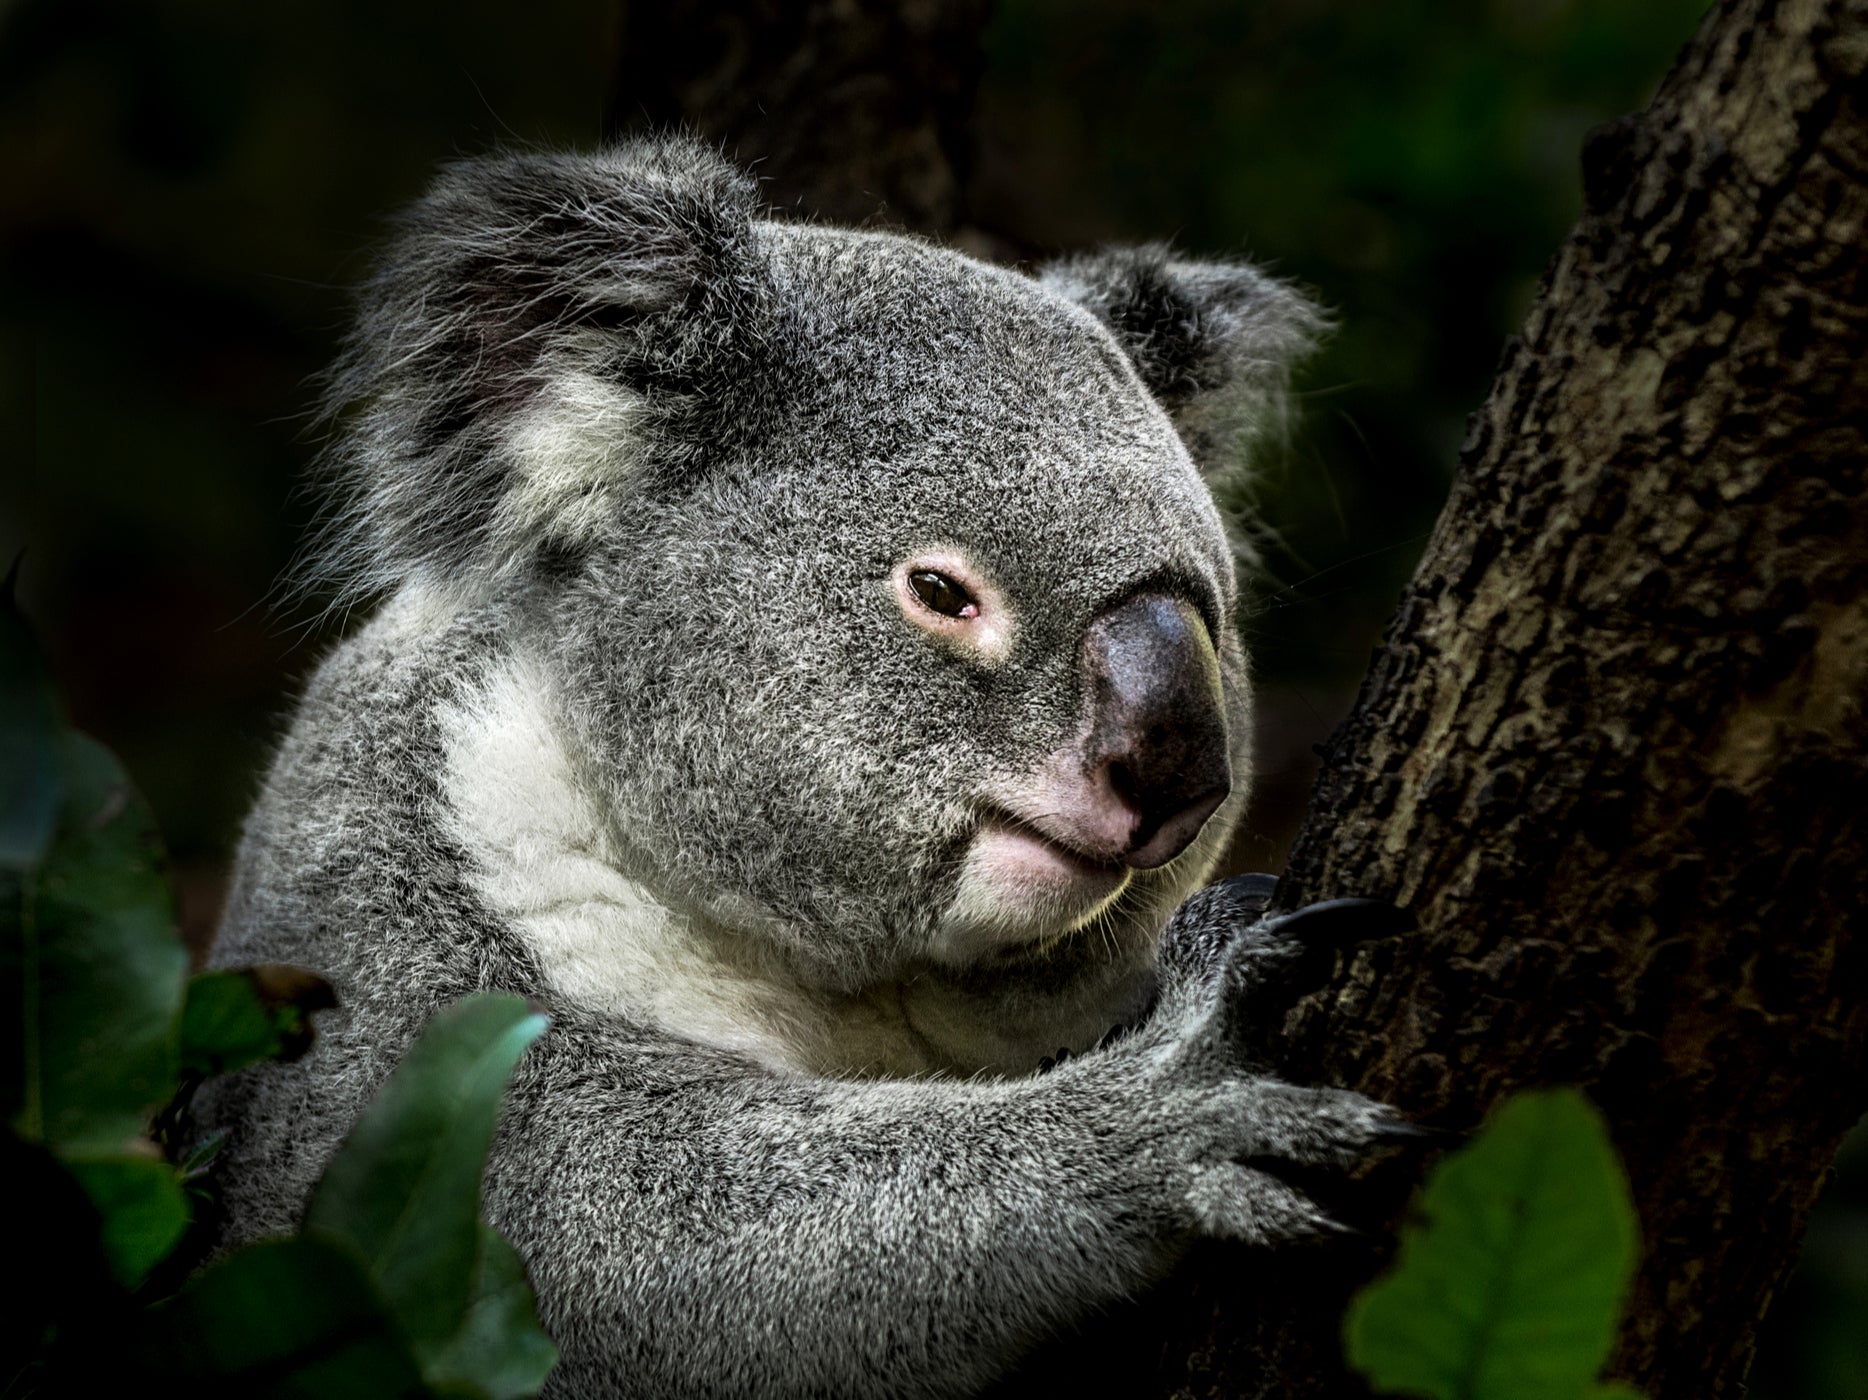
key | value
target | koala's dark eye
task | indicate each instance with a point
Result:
(942, 595)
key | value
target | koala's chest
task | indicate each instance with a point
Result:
(626, 956)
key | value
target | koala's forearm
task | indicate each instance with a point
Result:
(771, 1236)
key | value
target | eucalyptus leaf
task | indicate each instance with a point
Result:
(239, 1016)
(96, 966)
(404, 1190)
(224, 1025)
(500, 1352)
(1513, 1286)
(287, 1318)
(141, 1210)
(198, 1156)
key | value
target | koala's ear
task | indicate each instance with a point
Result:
(1214, 342)
(543, 329)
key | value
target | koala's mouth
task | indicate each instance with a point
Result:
(1021, 886)
(1045, 849)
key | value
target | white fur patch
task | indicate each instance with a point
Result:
(546, 859)
(576, 447)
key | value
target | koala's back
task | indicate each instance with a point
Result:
(346, 867)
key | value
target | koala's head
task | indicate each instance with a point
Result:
(883, 589)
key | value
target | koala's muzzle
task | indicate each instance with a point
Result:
(1156, 748)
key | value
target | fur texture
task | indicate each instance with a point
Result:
(649, 728)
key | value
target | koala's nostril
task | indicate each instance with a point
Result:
(1122, 782)
(1158, 841)
(1158, 736)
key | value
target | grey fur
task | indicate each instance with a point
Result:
(606, 425)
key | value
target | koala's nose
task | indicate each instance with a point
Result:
(1158, 735)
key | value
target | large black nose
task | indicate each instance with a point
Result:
(1158, 735)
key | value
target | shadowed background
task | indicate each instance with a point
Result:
(191, 185)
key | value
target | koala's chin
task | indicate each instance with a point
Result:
(1019, 888)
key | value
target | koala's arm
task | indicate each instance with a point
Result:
(695, 1225)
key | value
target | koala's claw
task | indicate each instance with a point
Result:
(1403, 1130)
(1242, 1203)
(1223, 929)
(1337, 923)
(1286, 955)
(1251, 892)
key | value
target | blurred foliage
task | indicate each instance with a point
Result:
(394, 1287)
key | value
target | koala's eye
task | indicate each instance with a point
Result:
(942, 595)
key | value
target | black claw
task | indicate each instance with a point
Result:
(1051, 1062)
(1401, 1130)
(1254, 891)
(1337, 922)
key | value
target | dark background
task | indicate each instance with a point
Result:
(190, 186)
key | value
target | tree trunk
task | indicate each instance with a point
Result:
(1612, 752)
(849, 110)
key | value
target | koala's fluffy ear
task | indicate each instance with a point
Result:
(1215, 342)
(543, 329)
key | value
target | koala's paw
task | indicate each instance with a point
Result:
(1208, 923)
(1312, 1126)
(1221, 944)
(1269, 1130)
(1237, 1202)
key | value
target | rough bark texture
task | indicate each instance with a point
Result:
(1613, 751)
(851, 110)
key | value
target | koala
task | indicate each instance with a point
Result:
(805, 663)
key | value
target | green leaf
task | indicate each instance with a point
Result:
(404, 1190)
(224, 1025)
(199, 1155)
(1512, 1288)
(141, 1210)
(246, 1014)
(29, 737)
(294, 1318)
(95, 967)
(501, 1352)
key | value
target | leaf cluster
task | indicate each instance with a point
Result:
(393, 1286)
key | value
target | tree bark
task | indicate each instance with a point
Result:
(849, 110)
(1612, 752)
